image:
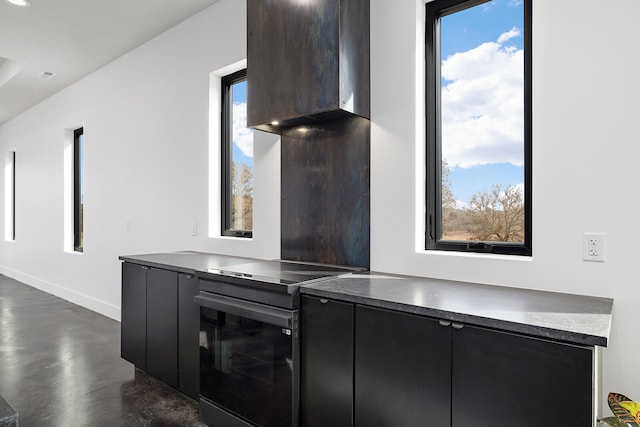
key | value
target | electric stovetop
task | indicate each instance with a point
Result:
(281, 272)
(275, 275)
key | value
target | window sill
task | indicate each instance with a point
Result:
(476, 255)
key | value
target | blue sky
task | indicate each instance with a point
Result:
(482, 99)
(242, 137)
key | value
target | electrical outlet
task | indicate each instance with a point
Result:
(194, 228)
(593, 247)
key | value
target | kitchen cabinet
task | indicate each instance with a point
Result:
(504, 379)
(133, 326)
(160, 324)
(402, 370)
(326, 366)
(411, 370)
(188, 336)
(306, 62)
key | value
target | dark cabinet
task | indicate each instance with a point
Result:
(506, 380)
(402, 370)
(133, 326)
(411, 370)
(326, 364)
(306, 61)
(160, 325)
(188, 336)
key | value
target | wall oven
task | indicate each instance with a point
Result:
(249, 342)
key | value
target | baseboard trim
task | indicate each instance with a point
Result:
(86, 301)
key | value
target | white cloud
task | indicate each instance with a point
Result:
(242, 136)
(483, 105)
(461, 205)
(520, 188)
(514, 32)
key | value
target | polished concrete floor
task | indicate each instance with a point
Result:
(60, 365)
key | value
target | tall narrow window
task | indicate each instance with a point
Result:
(78, 190)
(10, 196)
(237, 158)
(478, 93)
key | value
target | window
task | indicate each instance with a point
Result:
(10, 196)
(78, 190)
(237, 158)
(478, 125)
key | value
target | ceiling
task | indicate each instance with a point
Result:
(72, 38)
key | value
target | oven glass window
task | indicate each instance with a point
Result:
(246, 367)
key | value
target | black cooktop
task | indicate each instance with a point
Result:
(281, 272)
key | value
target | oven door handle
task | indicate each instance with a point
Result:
(250, 310)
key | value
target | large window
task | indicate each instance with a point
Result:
(478, 92)
(237, 158)
(78, 190)
(10, 196)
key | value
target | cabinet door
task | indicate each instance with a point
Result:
(501, 379)
(326, 363)
(188, 333)
(402, 370)
(162, 325)
(133, 325)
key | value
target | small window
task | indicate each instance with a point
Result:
(10, 196)
(478, 93)
(237, 158)
(78, 190)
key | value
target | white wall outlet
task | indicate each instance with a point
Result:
(128, 225)
(593, 247)
(194, 228)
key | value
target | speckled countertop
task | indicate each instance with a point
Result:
(570, 318)
(187, 262)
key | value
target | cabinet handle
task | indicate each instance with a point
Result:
(445, 323)
(145, 268)
(189, 276)
(455, 325)
(323, 301)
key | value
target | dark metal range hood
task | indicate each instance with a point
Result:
(307, 62)
(308, 80)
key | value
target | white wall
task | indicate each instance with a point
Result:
(145, 118)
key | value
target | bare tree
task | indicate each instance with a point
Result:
(241, 196)
(450, 215)
(497, 215)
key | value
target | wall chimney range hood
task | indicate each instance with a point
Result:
(307, 62)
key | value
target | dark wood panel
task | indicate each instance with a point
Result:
(306, 61)
(510, 380)
(133, 326)
(326, 367)
(402, 370)
(325, 209)
(188, 336)
(162, 325)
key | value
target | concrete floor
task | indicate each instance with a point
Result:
(60, 365)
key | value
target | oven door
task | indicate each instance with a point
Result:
(248, 363)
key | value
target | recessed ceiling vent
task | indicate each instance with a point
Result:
(47, 75)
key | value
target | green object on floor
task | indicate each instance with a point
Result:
(614, 422)
(622, 415)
